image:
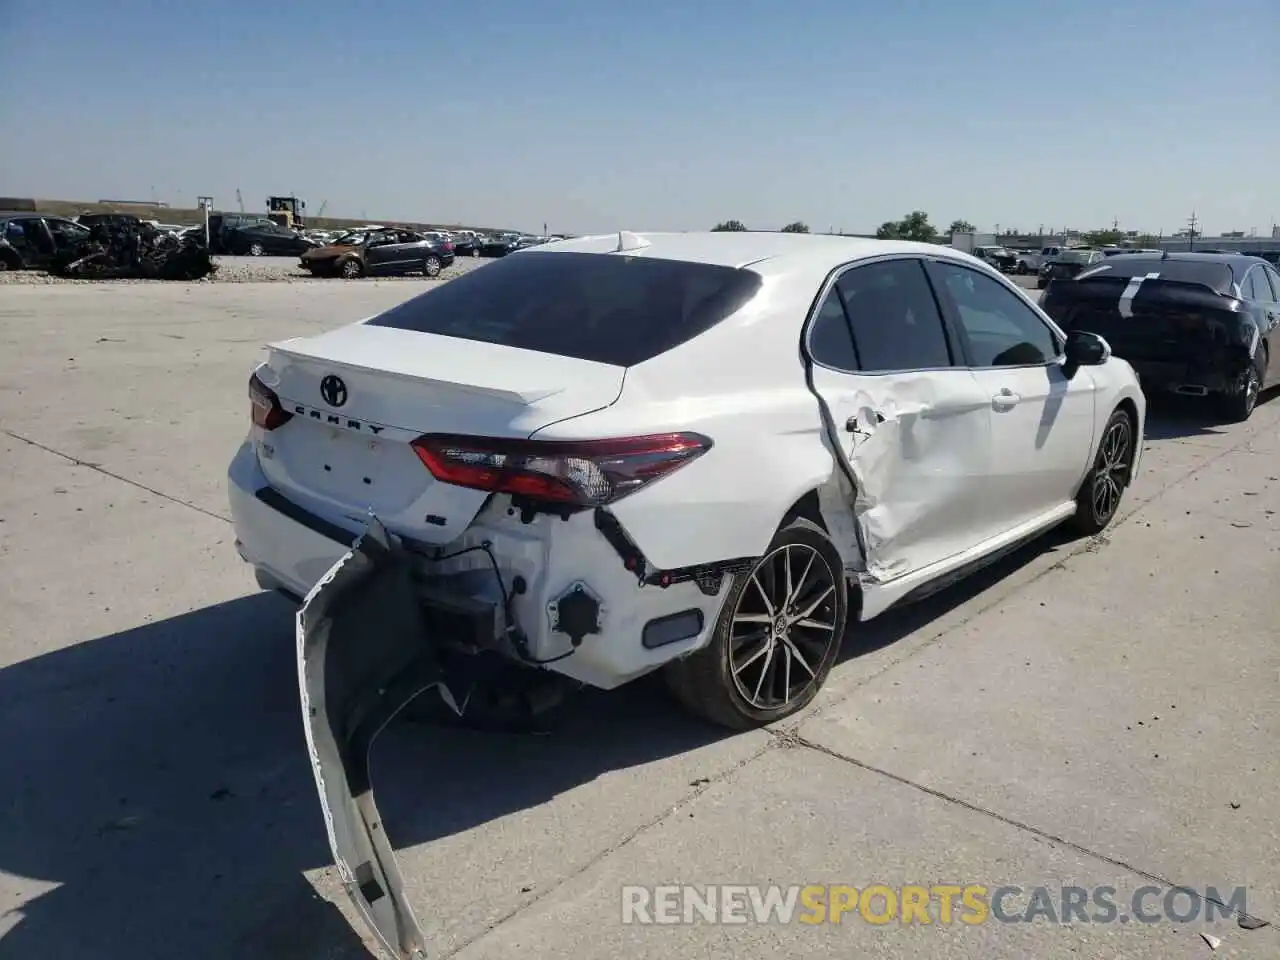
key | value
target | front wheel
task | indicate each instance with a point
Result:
(431, 267)
(350, 269)
(256, 250)
(1099, 496)
(777, 637)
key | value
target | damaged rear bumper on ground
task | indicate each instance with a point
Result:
(364, 654)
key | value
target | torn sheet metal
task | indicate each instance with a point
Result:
(363, 655)
(126, 248)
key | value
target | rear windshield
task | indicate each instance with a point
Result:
(1217, 276)
(1075, 256)
(601, 307)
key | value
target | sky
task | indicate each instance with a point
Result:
(659, 115)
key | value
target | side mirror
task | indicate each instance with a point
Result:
(1084, 349)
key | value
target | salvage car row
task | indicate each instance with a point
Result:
(33, 241)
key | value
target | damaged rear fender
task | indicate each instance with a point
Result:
(363, 655)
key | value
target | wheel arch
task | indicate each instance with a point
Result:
(1130, 409)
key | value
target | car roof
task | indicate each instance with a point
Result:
(1238, 262)
(764, 252)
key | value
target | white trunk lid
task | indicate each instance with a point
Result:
(346, 453)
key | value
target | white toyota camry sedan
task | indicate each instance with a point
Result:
(705, 453)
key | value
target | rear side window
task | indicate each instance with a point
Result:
(829, 340)
(895, 319)
(600, 307)
(1260, 284)
(1274, 279)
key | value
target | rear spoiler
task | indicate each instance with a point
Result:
(1142, 290)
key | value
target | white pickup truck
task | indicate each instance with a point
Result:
(1032, 261)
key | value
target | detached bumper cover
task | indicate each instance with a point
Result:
(363, 655)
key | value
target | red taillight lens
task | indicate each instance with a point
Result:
(264, 406)
(587, 473)
(449, 247)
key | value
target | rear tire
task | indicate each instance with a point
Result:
(1103, 487)
(431, 267)
(1238, 405)
(775, 642)
(256, 250)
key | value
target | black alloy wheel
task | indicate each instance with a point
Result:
(1100, 494)
(778, 635)
(1238, 403)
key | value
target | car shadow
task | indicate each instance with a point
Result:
(895, 623)
(156, 784)
(1171, 417)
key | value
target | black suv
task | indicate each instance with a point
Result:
(29, 241)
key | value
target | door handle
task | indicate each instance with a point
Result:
(1006, 399)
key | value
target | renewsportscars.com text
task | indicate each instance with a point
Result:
(970, 904)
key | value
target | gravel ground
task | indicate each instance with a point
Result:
(244, 270)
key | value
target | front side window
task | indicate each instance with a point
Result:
(1002, 330)
(66, 232)
(895, 319)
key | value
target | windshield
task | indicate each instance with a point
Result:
(607, 309)
(351, 239)
(1076, 256)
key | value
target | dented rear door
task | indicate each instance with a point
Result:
(914, 426)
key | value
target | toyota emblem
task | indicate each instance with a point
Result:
(333, 390)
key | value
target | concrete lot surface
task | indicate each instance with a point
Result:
(1086, 713)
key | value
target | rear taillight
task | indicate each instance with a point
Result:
(448, 247)
(587, 473)
(264, 406)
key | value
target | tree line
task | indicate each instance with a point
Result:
(916, 226)
(737, 226)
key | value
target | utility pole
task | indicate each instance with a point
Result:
(1191, 231)
(206, 204)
